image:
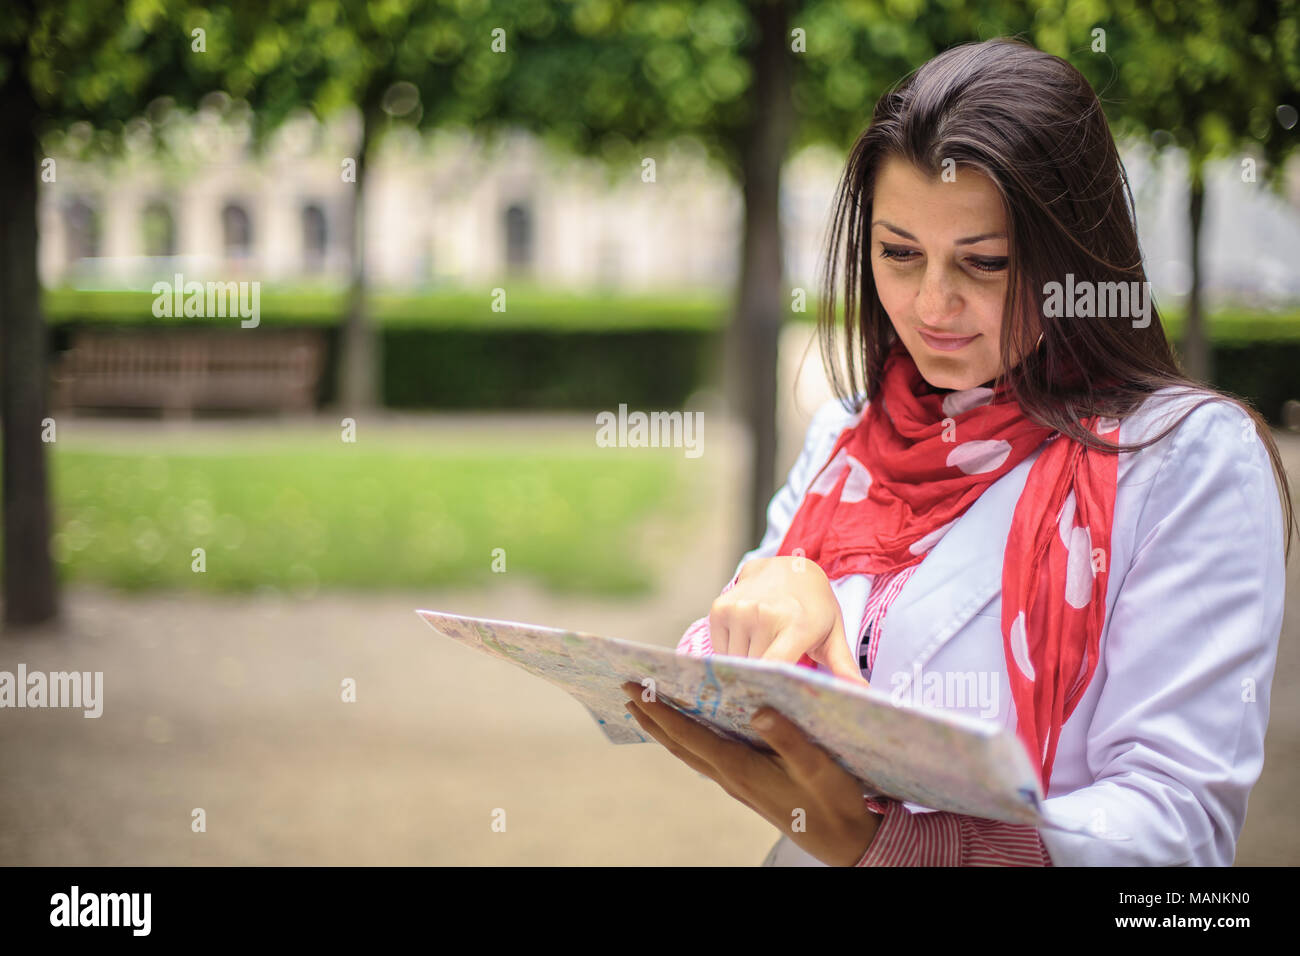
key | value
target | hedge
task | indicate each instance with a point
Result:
(527, 307)
(563, 351)
(535, 307)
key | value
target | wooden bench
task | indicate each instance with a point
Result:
(180, 370)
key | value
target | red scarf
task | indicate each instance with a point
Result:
(898, 478)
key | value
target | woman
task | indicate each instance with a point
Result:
(1034, 517)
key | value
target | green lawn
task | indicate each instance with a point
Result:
(314, 512)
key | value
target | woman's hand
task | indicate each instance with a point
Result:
(799, 789)
(780, 609)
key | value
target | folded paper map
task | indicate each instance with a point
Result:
(926, 757)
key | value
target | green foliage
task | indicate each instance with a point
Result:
(1209, 75)
(107, 62)
(856, 51)
(641, 71)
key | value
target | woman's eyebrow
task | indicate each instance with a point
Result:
(960, 242)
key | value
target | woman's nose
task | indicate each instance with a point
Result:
(937, 300)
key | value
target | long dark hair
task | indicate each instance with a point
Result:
(1030, 122)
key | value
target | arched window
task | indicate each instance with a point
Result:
(236, 231)
(81, 224)
(519, 237)
(314, 237)
(159, 229)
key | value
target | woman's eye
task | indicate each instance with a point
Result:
(980, 263)
(990, 264)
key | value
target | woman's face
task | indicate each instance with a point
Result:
(939, 258)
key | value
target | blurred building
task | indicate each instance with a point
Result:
(449, 209)
(443, 209)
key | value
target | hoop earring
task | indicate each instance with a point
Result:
(1039, 342)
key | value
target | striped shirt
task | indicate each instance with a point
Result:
(904, 838)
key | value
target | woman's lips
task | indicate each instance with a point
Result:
(947, 343)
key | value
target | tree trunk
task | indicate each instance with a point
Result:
(753, 333)
(1197, 358)
(30, 590)
(359, 347)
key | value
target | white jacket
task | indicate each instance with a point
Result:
(1168, 739)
